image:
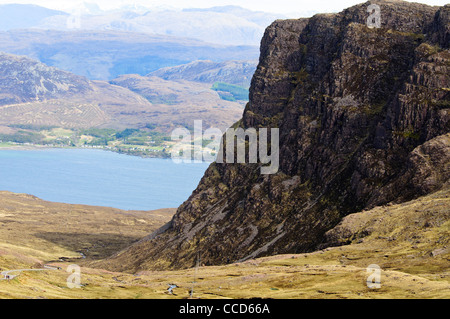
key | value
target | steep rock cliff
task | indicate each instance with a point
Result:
(363, 115)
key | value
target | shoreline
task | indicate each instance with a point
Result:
(23, 147)
(32, 147)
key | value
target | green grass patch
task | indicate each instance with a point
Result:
(230, 92)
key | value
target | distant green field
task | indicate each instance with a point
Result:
(140, 142)
(230, 92)
(4, 144)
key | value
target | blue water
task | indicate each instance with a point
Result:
(101, 178)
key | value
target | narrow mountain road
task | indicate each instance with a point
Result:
(6, 274)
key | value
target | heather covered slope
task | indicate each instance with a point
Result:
(364, 120)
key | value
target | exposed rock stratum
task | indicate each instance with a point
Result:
(363, 115)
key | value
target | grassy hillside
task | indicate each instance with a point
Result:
(33, 231)
(410, 242)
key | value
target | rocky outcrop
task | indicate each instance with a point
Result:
(363, 115)
(25, 80)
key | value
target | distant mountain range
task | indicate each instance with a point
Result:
(104, 55)
(103, 45)
(55, 74)
(114, 71)
(228, 25)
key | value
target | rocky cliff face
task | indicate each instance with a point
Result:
(363, 115)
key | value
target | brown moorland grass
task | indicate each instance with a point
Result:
(409, 241)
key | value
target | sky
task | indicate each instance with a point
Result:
(290, 8)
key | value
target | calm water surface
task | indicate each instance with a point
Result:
(96, 177)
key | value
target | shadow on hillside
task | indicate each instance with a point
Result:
(92, 246)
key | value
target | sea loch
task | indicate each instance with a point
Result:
(101, 178)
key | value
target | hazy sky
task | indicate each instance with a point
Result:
(275, 6)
